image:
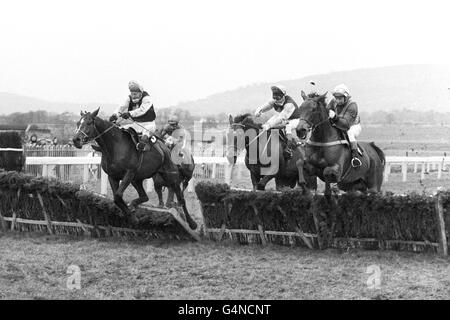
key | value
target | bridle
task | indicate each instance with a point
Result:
(89, 139)
(313, 127)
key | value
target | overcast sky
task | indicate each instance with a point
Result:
(87, 51)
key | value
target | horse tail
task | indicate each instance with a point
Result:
(379, 152)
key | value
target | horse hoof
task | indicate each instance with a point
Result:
(192, 225)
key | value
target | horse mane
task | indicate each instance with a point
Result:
(318, 98)
(313, 95)
(241, 117)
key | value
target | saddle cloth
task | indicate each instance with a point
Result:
(352, 174)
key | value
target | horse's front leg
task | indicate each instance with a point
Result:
(300, 164)
(332, 173)
(118, 194)
(262, 183)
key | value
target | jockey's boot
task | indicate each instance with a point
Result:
(355, 160)
(142, 143)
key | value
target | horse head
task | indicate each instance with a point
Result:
(86, 130)
(244, 121)
(313, 112)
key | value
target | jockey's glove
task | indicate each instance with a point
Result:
(113, 118)
(331, 114)
(266, 127)
(125, 115)
(258, 112)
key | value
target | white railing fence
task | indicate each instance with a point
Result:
(87, 168)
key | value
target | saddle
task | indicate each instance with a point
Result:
(136, 137)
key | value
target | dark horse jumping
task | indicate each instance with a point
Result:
(125, 165)
(328, 155)
(289, 172)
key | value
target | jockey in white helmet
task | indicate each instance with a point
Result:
(343, 114)
(287, 112)
(139, 107)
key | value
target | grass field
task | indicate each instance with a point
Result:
(35, 267)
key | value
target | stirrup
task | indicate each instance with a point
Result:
(356, 162)
(140, 146)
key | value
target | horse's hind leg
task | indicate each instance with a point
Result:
(182, 202)
(170, 195)
(138, 185)
(157, 183)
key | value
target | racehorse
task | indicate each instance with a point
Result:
(125, 165)
(289, 172)
(328, 154)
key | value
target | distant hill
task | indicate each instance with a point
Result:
(10, 103)
(416, 87)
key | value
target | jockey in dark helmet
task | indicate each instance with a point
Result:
(343, 114)
(287, 113)
(139, 107)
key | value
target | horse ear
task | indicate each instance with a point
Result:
(304, 95)
(230, 119)
(323, 96)
(95, 113)
(81, 113)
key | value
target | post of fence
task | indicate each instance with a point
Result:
(104, 183)
(45, 170)
(214, 169)
(422, 172)
(441, 225)
(228, 172)
(85, 173)
(387, 171)
(439, 175)
(404, 171)
(415, 167)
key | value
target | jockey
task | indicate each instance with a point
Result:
(139, 107)
(343, 114)
(172, 124)
(287, 113)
